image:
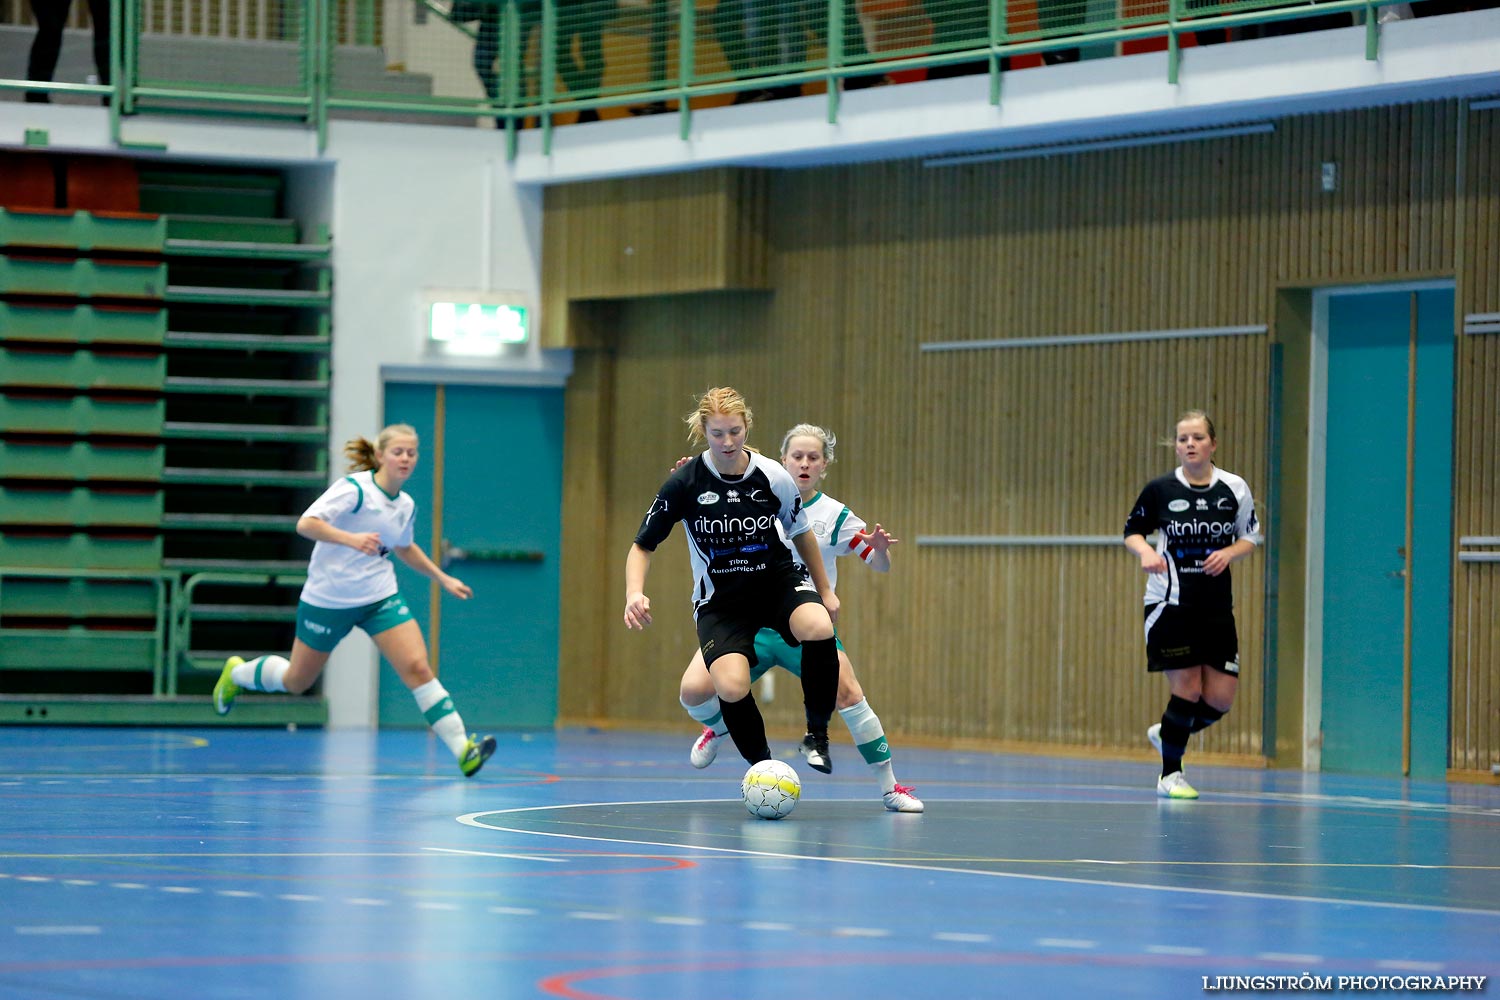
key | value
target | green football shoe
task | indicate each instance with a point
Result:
(226, 689)
(476, 752)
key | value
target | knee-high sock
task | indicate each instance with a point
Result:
(1205, 715)
(869, 736)
(820, 681)
(264, 673)
(746, 727)
(437, 708)
(1176, 726)
(709, 713)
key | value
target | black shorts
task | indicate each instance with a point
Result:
(1177, 638)
(728, 622)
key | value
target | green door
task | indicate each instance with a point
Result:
(1386, 554)
(498, 461)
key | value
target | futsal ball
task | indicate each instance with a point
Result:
(771, 789)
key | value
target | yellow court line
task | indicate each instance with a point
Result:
(178, 743)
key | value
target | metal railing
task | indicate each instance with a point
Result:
(525, 63)
(161, 625)
(158, 637)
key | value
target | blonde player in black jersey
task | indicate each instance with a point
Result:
(730, 501)
(1204, 518)
(806, 453)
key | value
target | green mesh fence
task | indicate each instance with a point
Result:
(181, 53)
(525, 62)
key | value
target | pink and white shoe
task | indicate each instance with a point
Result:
(903, 799)
(707, 748)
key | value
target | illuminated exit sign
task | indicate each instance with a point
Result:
(475, 325)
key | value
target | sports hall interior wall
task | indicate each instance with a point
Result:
(1031, 645)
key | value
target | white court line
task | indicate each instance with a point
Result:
(1176, 949)
(1409, 966)
(961, 937)
(1282, 956)
(473, 819)
(492, 854)
(1079, 943)
(763, 925)
(59, 929)
(592, 915)
(679, 921)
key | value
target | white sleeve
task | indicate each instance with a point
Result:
(1246, 524)
(340, 498)
(793, 518)
(848, 525)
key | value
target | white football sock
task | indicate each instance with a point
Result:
(437, 708)
(264, 673)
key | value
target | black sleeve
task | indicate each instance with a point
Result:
(666, 510)
(1143, 519)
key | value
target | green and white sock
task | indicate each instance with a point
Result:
(709, 714)
(264, 673)
(437, 708)
(869, 736)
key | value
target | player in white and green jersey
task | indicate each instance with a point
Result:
(806, 453)
(356, 525)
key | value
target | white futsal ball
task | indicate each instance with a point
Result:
(771, 789)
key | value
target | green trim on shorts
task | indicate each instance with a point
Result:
(771, 650)
(325, 628)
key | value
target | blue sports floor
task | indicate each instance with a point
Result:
(225, 863)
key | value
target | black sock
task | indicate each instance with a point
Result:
(746, 727)
(1204, 715)
(820, 682)
(1176, 727)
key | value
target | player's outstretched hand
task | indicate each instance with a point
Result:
(637, 611)
(684, 460)
(877, 538)
(456, 587)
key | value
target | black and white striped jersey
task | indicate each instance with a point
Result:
(730, 523)
(1191, 522)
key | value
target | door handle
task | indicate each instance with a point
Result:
(448, 553)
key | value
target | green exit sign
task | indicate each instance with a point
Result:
(477, 325)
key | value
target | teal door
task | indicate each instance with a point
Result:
(1372, 704)
(498, 461)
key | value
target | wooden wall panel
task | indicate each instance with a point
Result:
(1475, 685)
(657, 235)
(1034, 645)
